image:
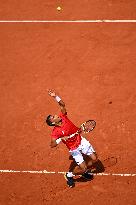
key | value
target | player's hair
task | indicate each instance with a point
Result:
(48, 121)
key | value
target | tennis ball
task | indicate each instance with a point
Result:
(59, 8)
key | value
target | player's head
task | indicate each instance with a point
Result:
(53, 120)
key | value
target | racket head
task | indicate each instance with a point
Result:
(88, 126)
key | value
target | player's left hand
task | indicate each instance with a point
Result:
(51, 93)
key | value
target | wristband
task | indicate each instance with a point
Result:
(58, 140)
(58, 99)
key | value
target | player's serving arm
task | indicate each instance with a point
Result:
(59, 100)
(56, 120)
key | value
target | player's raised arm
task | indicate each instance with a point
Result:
(58, 99)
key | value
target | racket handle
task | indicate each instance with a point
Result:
(72, 135)
(75, 133)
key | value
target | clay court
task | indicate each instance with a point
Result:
(92, 66)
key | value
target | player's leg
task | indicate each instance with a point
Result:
(91, 160)
(94, 164)
(88, 150)
(77, 156)
(81, 168)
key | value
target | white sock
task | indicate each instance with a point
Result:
(70, 174)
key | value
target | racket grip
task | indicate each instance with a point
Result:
(72, 135)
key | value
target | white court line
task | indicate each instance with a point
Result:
(71, 21)
(47, 172)
(66, 21)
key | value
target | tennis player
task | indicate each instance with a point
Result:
(77, 145)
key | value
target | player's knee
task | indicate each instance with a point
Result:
(83, 167)
(94, 158)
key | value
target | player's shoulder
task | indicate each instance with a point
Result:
(55, 129)
(55, 132)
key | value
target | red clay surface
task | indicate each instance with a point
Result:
(87, 9)
(89, 65)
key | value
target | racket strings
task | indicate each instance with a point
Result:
(89, 125)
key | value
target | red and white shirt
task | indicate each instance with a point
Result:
(67, 128)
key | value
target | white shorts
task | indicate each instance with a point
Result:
(85, 147)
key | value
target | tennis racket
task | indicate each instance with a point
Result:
(85, 127)
(88, 126)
